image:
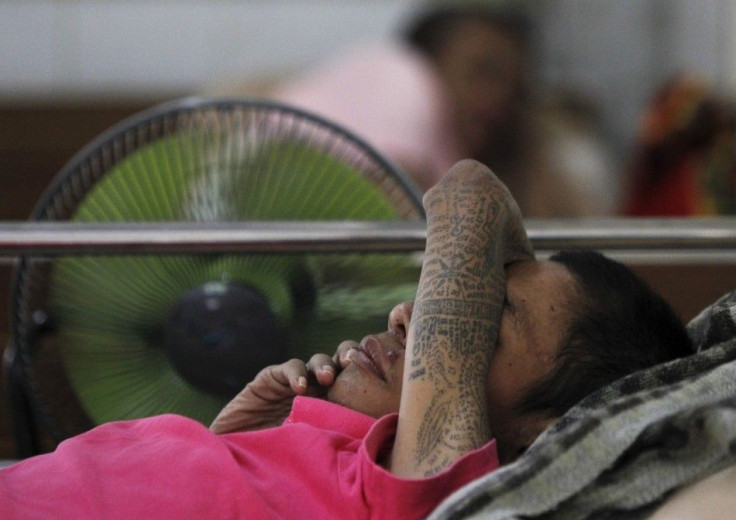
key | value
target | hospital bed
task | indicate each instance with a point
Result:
(622, 452)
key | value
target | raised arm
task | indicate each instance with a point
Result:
(474, 228)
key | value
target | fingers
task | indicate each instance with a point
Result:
(323, 369)
(298, 376)
(341, 359)
(292, 374)
(306, 378)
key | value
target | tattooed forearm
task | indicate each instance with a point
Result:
(471, 221)
(447, 356)
(454, 330)
(452, 344)
(462, 323)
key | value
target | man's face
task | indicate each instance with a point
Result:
(532, 326)
(482, 68)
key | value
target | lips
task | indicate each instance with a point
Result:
(370, 356)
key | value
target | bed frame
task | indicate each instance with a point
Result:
(666, 252)
(663, 251)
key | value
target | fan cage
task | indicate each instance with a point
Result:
(52, 399)
(91, 163)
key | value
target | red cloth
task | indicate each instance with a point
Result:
(685, 162)
(319, 464)
(675, 195)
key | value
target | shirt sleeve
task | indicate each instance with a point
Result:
(389, 496)
(161, 467)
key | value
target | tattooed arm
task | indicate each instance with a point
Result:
(474, 228)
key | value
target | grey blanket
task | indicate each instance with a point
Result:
(625, 449)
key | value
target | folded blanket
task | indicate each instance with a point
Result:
(623, 450)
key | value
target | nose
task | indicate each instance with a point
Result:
(399, 319)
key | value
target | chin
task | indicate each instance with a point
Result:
(366, 398)
(345, 393)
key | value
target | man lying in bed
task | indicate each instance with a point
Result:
(494, 348)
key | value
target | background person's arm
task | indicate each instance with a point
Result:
(474, 228)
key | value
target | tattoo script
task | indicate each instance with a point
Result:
(455, 323)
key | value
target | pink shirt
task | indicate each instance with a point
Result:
(320, 464)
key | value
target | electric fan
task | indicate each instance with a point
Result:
(101, 338)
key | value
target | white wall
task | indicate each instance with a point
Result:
(615, 51)
(110, 48)
(619, 51)
(728, 45)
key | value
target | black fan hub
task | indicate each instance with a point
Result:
(220, 335)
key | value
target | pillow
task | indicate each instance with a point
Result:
(623, 450)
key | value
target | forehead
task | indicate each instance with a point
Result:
(532, 329)
(540, 295)
(551, 281)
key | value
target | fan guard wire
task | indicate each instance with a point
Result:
(52, 399)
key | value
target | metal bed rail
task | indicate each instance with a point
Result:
(649, 240)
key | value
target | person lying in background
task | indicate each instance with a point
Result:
(455, 83)
(494, 348)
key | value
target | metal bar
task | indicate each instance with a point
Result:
(44, 238)
(633, 234)
(56, 238)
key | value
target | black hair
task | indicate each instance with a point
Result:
(429, 31)
(617, 325)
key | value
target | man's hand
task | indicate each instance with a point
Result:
(266, 401)
(474, 229)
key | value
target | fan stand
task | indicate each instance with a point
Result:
(26, 434)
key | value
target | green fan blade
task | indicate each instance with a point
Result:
(350, 312)
(119, 376)
(111, 311)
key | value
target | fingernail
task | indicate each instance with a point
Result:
(302, 381)
(329, 369)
